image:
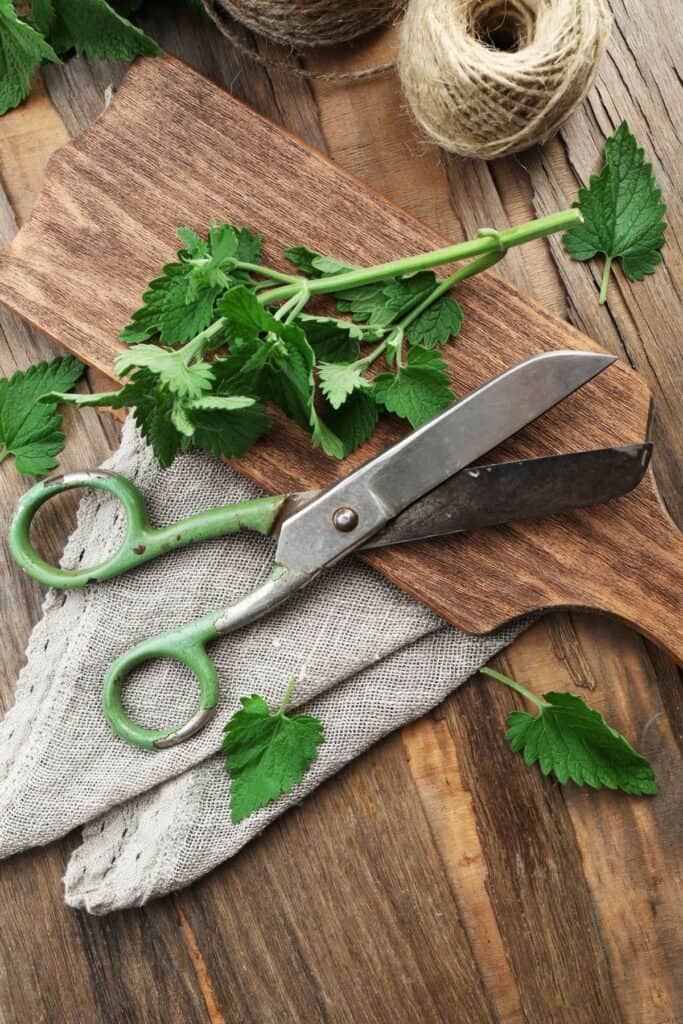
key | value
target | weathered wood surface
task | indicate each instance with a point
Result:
(77, 269)
(436, 879)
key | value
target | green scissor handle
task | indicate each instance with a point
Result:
(143, 542)
(187, 644)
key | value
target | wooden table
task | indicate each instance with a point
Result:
(436, 878)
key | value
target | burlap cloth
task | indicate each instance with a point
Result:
(367, 659)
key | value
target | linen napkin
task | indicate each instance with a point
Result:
(367, 658)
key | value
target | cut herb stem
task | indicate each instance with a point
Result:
(602, 298)
(538, 701)
(291, 682)
(484, 243)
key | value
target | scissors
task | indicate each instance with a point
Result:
(419, 487)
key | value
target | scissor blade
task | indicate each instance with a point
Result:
(528, 489)
(378, 491)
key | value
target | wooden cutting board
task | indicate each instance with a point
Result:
(174, 149)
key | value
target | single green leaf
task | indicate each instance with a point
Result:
(267, 754)
(146, 321)
(169, 367)
(333, 340)
(323, 436)
(222, 242)
(153, 410)
(339, 380)
(367, 303)
(289, 379)
(181, 419)
(353, 423)
(94, 29)
(29, 428)
(622, 212)
(246, 317)
(22, 51)
(110, 399)
(195, 246)
(572, 741)
(187, 310)
(439, 322)
(314, 264)
(228, 403)
(404, 293)
(248, 246)
(419, 391)
(229, 432)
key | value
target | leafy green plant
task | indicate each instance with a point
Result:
(623, 216)
(30, 431)
(219, 333)
(53, 29)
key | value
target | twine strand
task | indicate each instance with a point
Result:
(224, 20)
(482, 78)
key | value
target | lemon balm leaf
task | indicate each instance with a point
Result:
(267, 753)
(30, 430)
(623, 215)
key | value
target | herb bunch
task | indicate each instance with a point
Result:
(230, 333)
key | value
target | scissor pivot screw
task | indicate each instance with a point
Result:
(345, 519)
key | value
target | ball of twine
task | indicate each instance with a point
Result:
(302, 23)
(486, 78)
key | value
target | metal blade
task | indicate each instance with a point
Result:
(350, 511)
(528, 489)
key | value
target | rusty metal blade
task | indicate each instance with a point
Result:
(526, 489)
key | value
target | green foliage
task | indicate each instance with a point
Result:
(22, 50)
(267, 753)
(92, 28)
(574, 742)
(98, 29)
(208, 303)
(419, 390)
(439, 322)
(219, 334)
(622, 212)
(570, 740)
(30, 428)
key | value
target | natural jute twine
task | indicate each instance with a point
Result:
(486, 78)
(302, 23)
(296, 23)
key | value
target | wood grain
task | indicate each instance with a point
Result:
(55, 967)
(77, 268)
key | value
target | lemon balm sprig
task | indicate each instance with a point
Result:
(219, 334)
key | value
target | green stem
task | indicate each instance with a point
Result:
(276, 275)
(538, 701)
(469, 270)
(487, 243)
(369, 359)
(284, 309)
(602, 298)
(3, 452)
(288, 693)
(301, 301)
(196, 345)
